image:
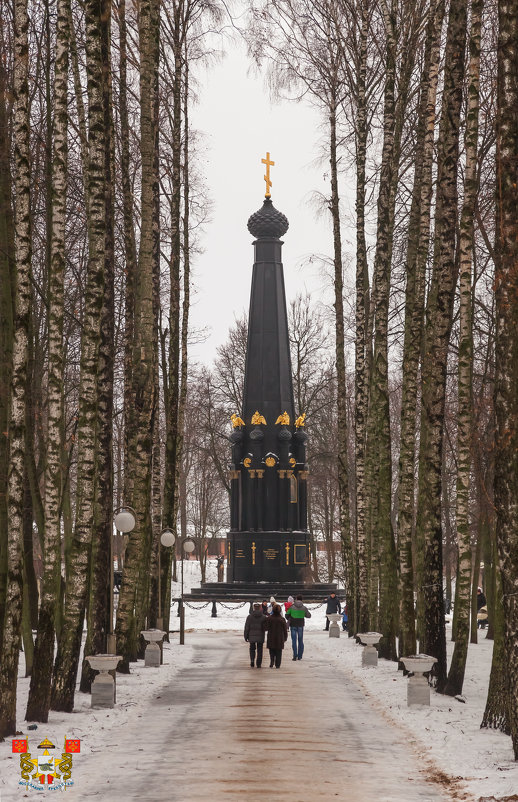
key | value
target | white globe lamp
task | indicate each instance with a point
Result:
(124, 519)
(167, 538)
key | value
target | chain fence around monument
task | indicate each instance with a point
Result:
(310, 606)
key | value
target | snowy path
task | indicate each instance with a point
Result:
(223, 731)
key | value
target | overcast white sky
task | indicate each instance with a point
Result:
(240, 124)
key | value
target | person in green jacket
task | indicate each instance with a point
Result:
(295, 617)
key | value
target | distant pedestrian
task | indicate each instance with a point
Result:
(271, 605)
(481, 599)
(333, 606)
(277, 630)
(482, 618)
(254, 634)
(264, 607)
(221, 567)
(345, 618)
(288, 604)
(296, 616)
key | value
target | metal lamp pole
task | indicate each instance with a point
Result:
(124, 520)
(167, 539)
(188, 547)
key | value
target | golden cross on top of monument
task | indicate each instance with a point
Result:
(267, 176)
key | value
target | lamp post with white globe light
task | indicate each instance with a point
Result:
(124, 520)
(188, 546)
(167, 539)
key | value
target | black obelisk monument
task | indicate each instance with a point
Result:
(268, 538)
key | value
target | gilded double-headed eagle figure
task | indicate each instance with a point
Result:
(300, 421)
(257, 418)
(237, 422)
(283, 419)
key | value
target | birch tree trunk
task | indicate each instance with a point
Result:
(15, 479)
(67, 659)
(361, 618)
(497, 710)
(39, 693)
(156, 501)
(465, 366)
(184, 327)
(172, 460)
(101, 562)
(7, 290)
(341, 384)
(134, 588)
(130, 249)
(417, 253)
(506, 343)
(378, 423)
(437, 334)
(176, 19)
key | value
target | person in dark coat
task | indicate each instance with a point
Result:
(221, 567)
(481, 599)
(254, 634)
(277, 630)
(264, 607)
(333, 606)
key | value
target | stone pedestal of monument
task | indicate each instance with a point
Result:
(334, 629)
(152, 657)
(103, 686)
(370, 653)
(418, 692)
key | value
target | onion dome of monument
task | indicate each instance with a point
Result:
(267, 221)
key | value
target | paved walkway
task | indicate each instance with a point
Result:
(303, 733)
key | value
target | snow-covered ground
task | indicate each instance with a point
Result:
(479, 763)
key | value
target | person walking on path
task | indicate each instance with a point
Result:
(254, 634)
(333, 606)
(296, 616)
(345, 618)
(264, 607)
(272, 605)
(220, 562)
(277, 630)
(288, 604)
(481, 599)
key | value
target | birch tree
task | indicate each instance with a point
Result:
(506, 343)
(134, 589)
(7, 287)
(16, 432)
(39, 694)
(465, 365)
(439, 311)
(416, 260)
(67, 658)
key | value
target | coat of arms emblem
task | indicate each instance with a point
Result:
(46, 771)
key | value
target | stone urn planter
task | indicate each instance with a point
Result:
(103, 686)
(418, 692)
(153, 652)
(370, 653)
(334, 629)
